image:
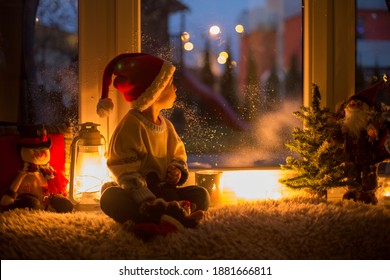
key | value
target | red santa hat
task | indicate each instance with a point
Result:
(140, 77)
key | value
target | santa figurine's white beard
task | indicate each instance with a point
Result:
(356, 120)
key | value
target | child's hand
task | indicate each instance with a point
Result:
(173, 175)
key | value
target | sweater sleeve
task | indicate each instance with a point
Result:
(124, 161)
(180, 156)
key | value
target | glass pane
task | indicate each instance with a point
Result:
(372, 41)
(239, 75)
(53, 78)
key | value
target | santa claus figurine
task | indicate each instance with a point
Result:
(37, 185)
(363, 134)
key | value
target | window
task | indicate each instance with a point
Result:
(239, 75)
(52, 73)
(372, 41)
(108, 27)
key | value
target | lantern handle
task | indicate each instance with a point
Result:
(89, 125)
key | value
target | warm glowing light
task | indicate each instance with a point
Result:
(383, 192)
(244, 185)
(88, 169)
(188, 46)
(215, 30)
(239, 28)
(91, 172)
(221, 59)
(386, 190)
(185, 36)
(386, 194)
(224, 54)
(211, 180)
(37, 19)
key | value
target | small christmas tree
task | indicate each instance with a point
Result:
(321, 164)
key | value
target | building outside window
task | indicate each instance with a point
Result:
(372, 41)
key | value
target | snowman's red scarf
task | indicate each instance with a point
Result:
(56, 181)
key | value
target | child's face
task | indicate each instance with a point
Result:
(168, 96)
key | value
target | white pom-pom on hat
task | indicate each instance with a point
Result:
(104, 107)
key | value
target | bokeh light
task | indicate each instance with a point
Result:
(224, 54)
(215, 30)
(185, 36)
(239, 28)
(221, 59)
(188, 46)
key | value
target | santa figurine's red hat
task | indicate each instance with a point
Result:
(370, 94)
(140, 77)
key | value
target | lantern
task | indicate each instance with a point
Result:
(383, 172)
(88, 171)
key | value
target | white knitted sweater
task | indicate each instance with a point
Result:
(138, 147)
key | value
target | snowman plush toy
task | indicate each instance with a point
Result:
(37, 185)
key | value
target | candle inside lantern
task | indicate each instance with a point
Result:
(88, 167)
(90, 172)
(386, 193)
(383, 172)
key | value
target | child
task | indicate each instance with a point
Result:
(146, 156)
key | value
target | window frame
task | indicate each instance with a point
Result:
(110, 27)
(106, 29)
(329, 50)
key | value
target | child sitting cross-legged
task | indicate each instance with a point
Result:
(146, 156)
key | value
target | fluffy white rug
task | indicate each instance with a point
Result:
(294, 228)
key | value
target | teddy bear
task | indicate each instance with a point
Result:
(38, 185)
(169, 217)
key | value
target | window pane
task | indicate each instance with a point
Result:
(372, 41)
(239, 75)
(53, 73)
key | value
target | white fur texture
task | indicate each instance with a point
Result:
(104, 107)
(287, 229)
